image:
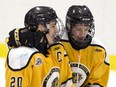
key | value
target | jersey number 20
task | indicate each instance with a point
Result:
(16, 82)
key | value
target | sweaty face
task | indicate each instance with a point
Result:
(80, 31)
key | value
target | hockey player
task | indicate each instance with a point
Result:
(36, 57)
(88, 57)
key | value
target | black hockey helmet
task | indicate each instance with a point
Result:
(80, 14)
(43, 15)
(29, 35)
(39, 15)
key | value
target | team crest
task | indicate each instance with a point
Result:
(79, 74)
(55, 82)
(52, 79)
(38, 61)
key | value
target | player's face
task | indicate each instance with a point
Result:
(53, 29)
(41, 27)
(80, 31)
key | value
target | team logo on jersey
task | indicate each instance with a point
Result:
(55, 82)
(52, 79)
(80, 73)
(98, 50)
(59, 58)
(38, 61)
(75, 76)
(57, 48)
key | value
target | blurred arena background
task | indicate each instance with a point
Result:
(12, 14)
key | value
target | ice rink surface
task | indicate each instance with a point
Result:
(111, 83)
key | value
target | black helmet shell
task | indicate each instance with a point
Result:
(39, 15)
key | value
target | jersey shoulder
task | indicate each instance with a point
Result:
(96, 41)
(18, 58)
(57, 51)
(100, 46)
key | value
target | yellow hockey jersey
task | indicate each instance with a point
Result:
(90, 66)
(26, 67)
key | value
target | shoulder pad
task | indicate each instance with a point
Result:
(19, 57)
(95, 41)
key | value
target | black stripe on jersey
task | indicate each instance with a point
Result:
(66, 81)
(63, 40)
(107, 63)
(65, 55)
(54, 45)
(97, 46)
(22, 67)
(58, 44)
